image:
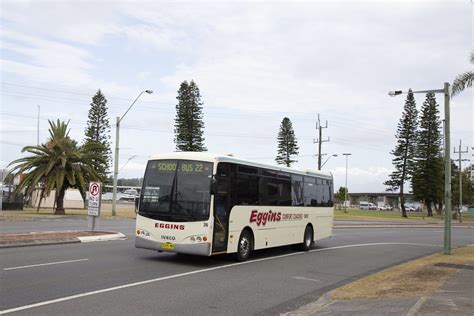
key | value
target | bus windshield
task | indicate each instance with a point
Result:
(176, 190)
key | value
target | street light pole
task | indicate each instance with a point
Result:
(116, 160)
(345, 188)
(335, 155)
(447, 172)
(447, 161)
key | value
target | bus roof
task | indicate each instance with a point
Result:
(210, 157)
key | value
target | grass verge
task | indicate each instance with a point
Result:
(124, 211)
(414, 278)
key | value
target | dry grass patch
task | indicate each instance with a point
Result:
(418, 277)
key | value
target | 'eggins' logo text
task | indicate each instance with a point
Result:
(264, 217)
(169, 226)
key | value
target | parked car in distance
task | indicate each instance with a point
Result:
(367, 206)
(129, 195)
(364, 205)
(385, 208)
(411, 208)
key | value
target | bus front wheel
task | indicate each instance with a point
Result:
(244, 248)
(307, 239)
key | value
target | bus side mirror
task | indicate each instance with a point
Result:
(213, 190)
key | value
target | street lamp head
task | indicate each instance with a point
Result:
(347, 154)
(335, 155)
(395, 93)
(149, 91)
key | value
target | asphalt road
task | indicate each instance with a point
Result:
(113, 277)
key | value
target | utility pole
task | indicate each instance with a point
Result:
(320, 140)
(460, 152)
(447, 170)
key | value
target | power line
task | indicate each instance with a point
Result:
(6, 142)
(208, 133)
(138, 128)
(154, 109)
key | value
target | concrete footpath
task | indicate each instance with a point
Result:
(454, 297)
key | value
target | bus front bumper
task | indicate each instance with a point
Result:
(202, 249)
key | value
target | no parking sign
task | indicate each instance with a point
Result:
(94, 199)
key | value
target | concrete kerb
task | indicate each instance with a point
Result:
(114, 236)
(68, 240)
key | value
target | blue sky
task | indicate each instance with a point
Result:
(255, 62)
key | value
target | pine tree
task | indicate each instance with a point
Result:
(98, 131)
(404, 151)
(427, 181)
(287, 143)
(189, 127)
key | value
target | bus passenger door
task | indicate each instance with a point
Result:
(221, 215)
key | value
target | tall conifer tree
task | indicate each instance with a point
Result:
(287, 143)
(404, 151)
(189, 126)
(427, 182)
(98, 131)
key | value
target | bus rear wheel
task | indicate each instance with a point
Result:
(307, 239)
(244, 247)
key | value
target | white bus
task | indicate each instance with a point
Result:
(203, 204)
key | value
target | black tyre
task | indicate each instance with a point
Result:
(307, 239)
(245, 246)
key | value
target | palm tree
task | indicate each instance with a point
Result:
(57, 165)
(464, 80)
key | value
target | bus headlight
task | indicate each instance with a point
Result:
(198, 239)
(192, 239)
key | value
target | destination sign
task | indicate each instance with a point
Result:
(184, 167)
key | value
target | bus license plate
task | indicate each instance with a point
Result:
(167, 246)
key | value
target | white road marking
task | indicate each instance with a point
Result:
(44, 264)
(307, 279)
(175, 276)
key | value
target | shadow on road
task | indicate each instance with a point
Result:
(216, 260)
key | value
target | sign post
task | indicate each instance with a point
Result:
(95, 201)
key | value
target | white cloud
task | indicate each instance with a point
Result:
(362, 180)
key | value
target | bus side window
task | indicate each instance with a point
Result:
(310, 192)
(297, 196)
(246, 189)
(268, 188)
(284, 189)
(320, 192)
